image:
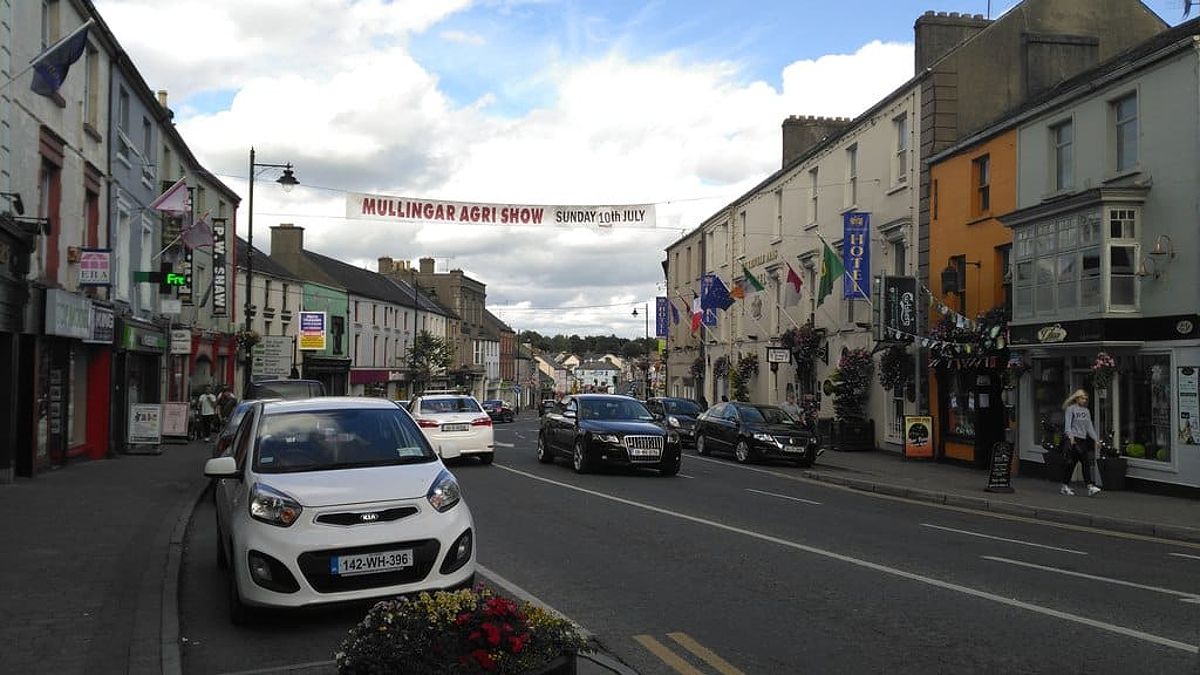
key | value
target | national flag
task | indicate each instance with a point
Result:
(831, 269)
(51, 66)
(738, 291)
(794, 285)
(674, 313)
(175, 200)
(199, 233)
(749, 280)
(713, 293)
(697, 313)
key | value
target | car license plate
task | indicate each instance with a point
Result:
(369, 563)
(643, 452)
(456, 427)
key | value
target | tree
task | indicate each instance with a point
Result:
(429, 355)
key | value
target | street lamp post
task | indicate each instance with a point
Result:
(646, 369)
(288, 181)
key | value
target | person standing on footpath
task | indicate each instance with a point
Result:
(790, 407)
(1079, 440)
(208, 413)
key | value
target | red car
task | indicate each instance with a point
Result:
(498, 411)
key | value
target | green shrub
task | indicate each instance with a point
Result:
(1162, 454)
(1135, 450)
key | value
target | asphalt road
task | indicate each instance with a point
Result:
(727, 569)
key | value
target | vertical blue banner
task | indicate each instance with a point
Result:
(660, 316)
(856, 255)
(708, 317)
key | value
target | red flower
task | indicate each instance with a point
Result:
(463, 618)
(493, 633)
(517, 642)
(484, 659)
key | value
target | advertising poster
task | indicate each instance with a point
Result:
(918, 437)
(145, 424)
(1189, 406)
(856, 255)
(175, 419)
(220, 280)
(313, 330)
(898, 318)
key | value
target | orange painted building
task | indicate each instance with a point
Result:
(970, 187)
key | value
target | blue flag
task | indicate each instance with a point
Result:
(51, 66)
(713, 293)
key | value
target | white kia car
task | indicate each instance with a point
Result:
(333, 499)
(456, 426)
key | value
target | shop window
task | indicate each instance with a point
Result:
(960, 405)
(1049, 391)
(1145, 406)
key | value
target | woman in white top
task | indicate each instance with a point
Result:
(1079, 441)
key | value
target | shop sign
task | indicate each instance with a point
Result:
(181, 341)
(856, 255)
(313, 330)
(170, 306)
(104, 325)
(68, 315)
(1184, 327)
(95, 267)
(918, 436)
(184, 292)
(145, 424)
(273, 357)
(140, 338)
(779, 355)
(220, 306)
(1000, 473)
(763, 258)
(1188, 423)
(175, 419)
(898, 316)
(1055, 333)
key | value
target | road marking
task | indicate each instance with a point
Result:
(504, 445)
(1184, 555)
(1120, 582)
(684, 475)
(315, 665)
(795, 499)
(1011, 541)
(724, 667)
(666, 655)
(912, 576)
(740, 466)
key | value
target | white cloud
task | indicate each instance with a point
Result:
(462, 37)
(331, 86)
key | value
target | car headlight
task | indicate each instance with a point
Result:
(766, 438)
(672, 438)
(272, 506)
(673, 421)
(609, 438)
(444, 493)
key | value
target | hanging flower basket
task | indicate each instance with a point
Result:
(721, 367)
(895, 368)
(747, 367)
(1103, 369)
(1014, 371)
(246, 339)
(852, 384)
(804, 343)
(697, 369)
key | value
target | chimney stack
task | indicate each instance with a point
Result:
(287, 243)
(386, 265)
(801, 133)
(427, 265)
(938, 33)
(162, 97)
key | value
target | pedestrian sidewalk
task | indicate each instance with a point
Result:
(1032, 497)
(87, 581)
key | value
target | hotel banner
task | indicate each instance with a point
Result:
(660, 317)
(429, 211)
(856, 255)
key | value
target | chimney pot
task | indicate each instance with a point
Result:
(162, 97)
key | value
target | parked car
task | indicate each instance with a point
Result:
(595, 429)
(455, 425)
(335, 499)
(284, 389)
(547, 405)
(402, 404)
(676, 413)
(498, 411)
(753, 432)
(225, 438)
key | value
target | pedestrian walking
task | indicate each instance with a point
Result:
(791, 407)
(208, 413)
(226, 402)
(1079, 439)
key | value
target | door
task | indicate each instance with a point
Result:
(564, 425)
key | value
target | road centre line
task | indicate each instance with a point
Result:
(1184, 555)
(504, 445)
(707, 655)
(1120, 582)
(795, 499)
(1011, 541)
(666, 655)
(912, 576)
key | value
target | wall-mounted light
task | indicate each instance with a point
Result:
(1147, 268)
(1163, 246)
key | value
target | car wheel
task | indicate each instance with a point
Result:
(487, 457)
(240, 614)
(701, 448)
(544, 455)
(742, 452)
(222, 557)
(579, 459)
(672, 468)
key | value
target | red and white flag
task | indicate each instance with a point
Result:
(697, 314)
(199, 233)
(794, 285)
(175, 201)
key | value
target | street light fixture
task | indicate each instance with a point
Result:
(287, 181)
(646, 369)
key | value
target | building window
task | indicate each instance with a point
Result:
(337, 328)
(934, 199)
(266, 328)
(899, 258)
(1125, 124)
(91, 87)
(123, 123)
(356, 311)
(146, 292)
(900, 164)
(1062, 137)
(123, 250)
(960, 411)
(1004, 267)
(778, 213)
(375, 350)
(812, 195)
(982, 172)
(1145, 417)
(50, 23)
(1122, 258)
(284, 303)
(851, 175)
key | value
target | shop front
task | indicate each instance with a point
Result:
(16, 350)
(331, 371)
(139, 370)
(1141, 375)
(379, 383)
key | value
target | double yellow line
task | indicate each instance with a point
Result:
(678, 663)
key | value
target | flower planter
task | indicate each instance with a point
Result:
(1112, 472)
(852, 435)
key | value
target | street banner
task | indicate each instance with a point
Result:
(660, 317)
(918, 437)
(220, 277)
(273, 357)
(185, 291)
(95, 267)
(898, 309)
(435, 212)
(856, 255)
(175, 419)
(145, 424)
(1189, 406)
(313, 330)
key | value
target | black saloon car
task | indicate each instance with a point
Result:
(677, 414)
(498, 411)
(595, 429)
(752, 432)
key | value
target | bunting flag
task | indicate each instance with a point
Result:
(51, 66)
(750, 280)
(175, 201)
(199, 234)
(831, 269)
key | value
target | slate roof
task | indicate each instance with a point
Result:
(494, 323)
(421, 301)
(263, 263)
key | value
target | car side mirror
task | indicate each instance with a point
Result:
(221, 467)
(569, 414)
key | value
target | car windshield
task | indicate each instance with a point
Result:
(764, 413)
(613, 409)
(458, 404)
(690, 408)
(338, 439)
(492, 404)
(286, 390)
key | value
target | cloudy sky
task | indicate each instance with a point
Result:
(677, 103)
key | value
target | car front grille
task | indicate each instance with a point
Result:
(315, 566)
(366, 517)
(793, 441)
(644, 448)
